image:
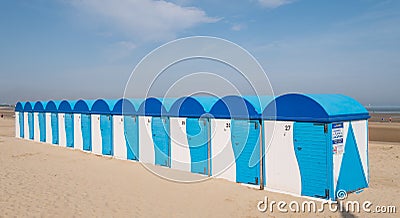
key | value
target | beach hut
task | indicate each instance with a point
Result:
(316, 145)
(66, 123)
(82, 125)
(235, 145)
(154, 141)
(28, 116)
(101, 124)
(52, 134)
(19, 120)
(39, 122)
(190, 131)
(125, 130)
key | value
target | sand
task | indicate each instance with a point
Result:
(39, 179)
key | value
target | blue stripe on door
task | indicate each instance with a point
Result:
(21, 124)
(106, 134)
(245, 143)
(197, 136)
(54, 128)
(131, 134)
(160, 134)
(69, 129)
(86, 125)
(42, 126)
(311, 146)
(31, 125)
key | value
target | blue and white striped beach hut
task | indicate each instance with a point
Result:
(82, 125)
(125, 130)
(52, 130)
(66, 123)
(28, 117)
(316, 145)
(39, 122)
(19, 120)
(101, 125)
(154, 140)
(190, 133)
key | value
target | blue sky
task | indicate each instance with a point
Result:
(56, 49)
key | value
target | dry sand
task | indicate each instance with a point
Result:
(39, 179)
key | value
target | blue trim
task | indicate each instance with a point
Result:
(123, 107)
(315, 108)
(152, 107)
(236, 107)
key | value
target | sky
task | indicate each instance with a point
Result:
(71, 49)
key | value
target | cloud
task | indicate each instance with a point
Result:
(238, 27)
(145, 19)
(274, 3)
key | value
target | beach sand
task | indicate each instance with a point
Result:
(38, 179)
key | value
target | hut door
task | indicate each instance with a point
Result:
(197, 136)
(245, 136)
(106, 134)
(131, 137)
(311, 149)
(54, 128)
(21, 124)
(31, 125)
(42, 126)
(160, 131)
(86, 125)
(69, 129)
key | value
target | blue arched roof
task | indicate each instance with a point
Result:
(315, 108)
(123, 107)
(234, 107)
(19, 107)
(28, 107)
(151, 107)
(38, 107)
(82, 106)
(52, 106)
(102, 106)
(65, 107)
(192, 106)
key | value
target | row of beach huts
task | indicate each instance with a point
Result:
(308, 145)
